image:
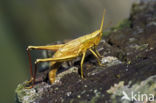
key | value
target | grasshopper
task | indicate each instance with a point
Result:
(67, 52)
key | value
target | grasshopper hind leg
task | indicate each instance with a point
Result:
(48, 47)
(55, 64)
(32, 79)
(28, 83)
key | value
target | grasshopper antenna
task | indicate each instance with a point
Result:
(101, 28)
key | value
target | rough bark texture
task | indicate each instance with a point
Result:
(130, 65)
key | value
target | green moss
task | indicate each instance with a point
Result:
(106, 33)
(123, 24)
(20, 92)
(25, 95)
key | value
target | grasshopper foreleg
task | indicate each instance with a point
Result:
(96, 56)
(82, 60)
(96, 51)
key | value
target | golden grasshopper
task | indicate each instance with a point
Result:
(67, 52)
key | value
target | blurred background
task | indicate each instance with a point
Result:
(40, 22)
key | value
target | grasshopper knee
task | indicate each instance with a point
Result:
(30, 48)
(37, 61)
